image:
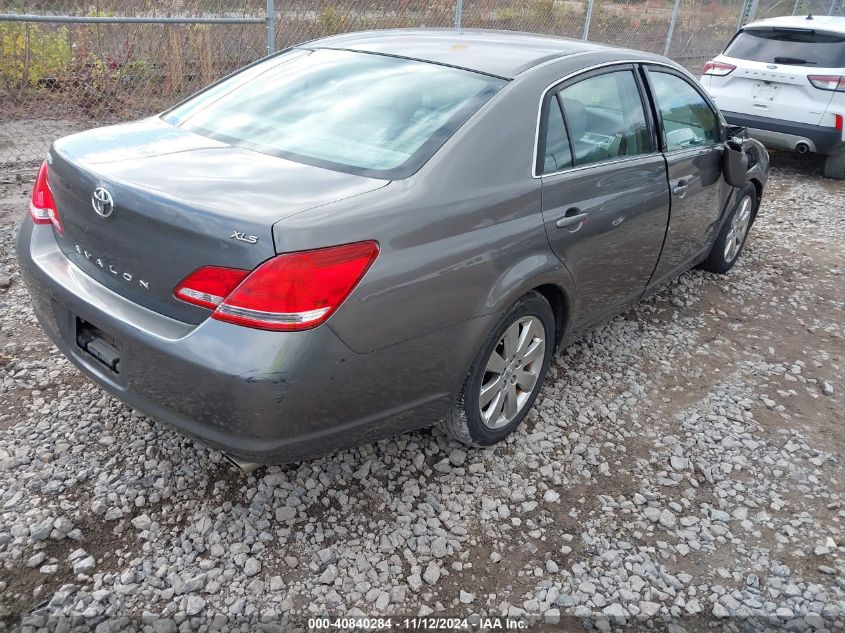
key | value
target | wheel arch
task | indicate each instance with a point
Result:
(758, 188)
(545, 274)
(560, 303)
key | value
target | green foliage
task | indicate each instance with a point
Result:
(30, 54)
(141, 71)
(331, 20)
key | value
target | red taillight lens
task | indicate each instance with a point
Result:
(717, 69)
(42, 207)
(208, 286)
(294, 291)
(828, 82)
(839, 122)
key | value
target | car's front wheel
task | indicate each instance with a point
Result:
(731, 239)
(507, 374)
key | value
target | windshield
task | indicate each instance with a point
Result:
(795, 47)
(362, 113)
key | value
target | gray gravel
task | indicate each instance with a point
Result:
(683, 461)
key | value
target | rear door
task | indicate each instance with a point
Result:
(605, 193)
(691, 139)
(772, 70)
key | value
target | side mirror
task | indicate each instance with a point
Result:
(736, 131)
(734, 164)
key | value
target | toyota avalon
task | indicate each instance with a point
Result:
(377, 232)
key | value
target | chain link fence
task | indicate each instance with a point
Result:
(68, 64)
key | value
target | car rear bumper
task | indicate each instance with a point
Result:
(787, 134)
(269, 397)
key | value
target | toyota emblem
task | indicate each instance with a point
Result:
(102, 202)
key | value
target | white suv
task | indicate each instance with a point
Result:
(784, 79)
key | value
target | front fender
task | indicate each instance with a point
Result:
(757, 174)
(758, 168)
(758, 163)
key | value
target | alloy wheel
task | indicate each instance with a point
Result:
(512, 371)
(738, 229)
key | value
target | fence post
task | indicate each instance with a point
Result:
(459, 10)
(271, 27)
(748, 11)
(587, 19)
(675, 13)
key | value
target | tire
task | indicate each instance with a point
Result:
(728, 246)
(469, 422)
(834, 164)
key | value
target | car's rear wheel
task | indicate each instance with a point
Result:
(731, 239)
(507, 374)
(834, 164)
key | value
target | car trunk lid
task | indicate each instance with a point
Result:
(179, 201)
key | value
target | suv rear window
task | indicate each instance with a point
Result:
(793, 47)
(361, 113)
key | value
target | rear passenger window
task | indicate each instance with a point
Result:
(556, 155)
(605, 118)
(688, 120)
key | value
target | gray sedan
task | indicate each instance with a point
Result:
(376, 232)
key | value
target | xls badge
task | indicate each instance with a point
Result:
(243, 237)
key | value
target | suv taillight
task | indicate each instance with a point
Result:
(828, 82)
(42, 207)
(293, 291)
(717, 69)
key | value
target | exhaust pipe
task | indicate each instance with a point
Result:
(802, 147)
(241, 464)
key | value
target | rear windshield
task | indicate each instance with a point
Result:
(361, 113)
(794, 47)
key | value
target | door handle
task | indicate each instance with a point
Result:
(572, 217)
(680, 187)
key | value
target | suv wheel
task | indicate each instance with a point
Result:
(834, 164)
(506, 376)
(731, 239)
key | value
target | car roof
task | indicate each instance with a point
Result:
(501, 53)
(829, 23)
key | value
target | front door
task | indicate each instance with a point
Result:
(605, 193)
(692, 144)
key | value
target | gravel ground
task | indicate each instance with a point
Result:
(683, 463)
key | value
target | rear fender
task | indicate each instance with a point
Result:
(531, 273)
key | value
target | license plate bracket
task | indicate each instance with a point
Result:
(98, 345)
(764, 92)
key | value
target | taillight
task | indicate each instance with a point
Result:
(208, 286)
(839, 122)
(828, 82)
(42, 207)
(717, 69)
(293, 291)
